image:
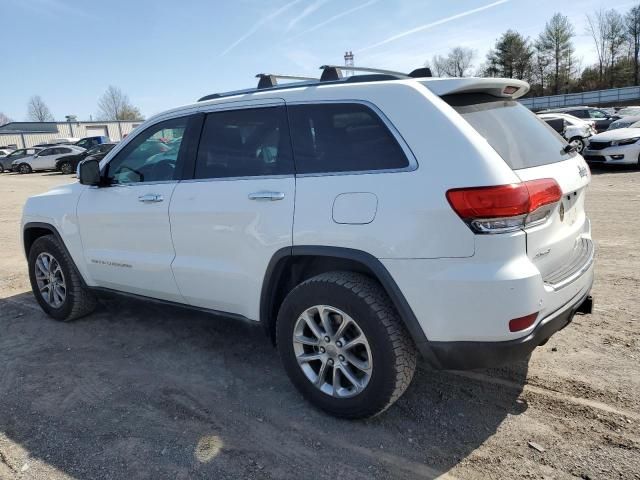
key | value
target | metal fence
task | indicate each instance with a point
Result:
(596, 97)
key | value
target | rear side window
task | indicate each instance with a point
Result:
(245, 143)
(342, 137)
(519, 137)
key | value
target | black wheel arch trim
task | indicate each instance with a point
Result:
(382, 275)
(55, 233)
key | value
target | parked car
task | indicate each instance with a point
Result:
(631, 111)
(69, 163)
(601, 118)
(90, 142)
(6, 162)
(5, 151)
(618, 147)
(45, 159)
(576, 131)
(359, 224)
(624, 122)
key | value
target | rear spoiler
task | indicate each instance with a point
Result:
(497, 87)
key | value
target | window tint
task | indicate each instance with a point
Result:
(46, 152)
(343, 137)
(597, 114)
(64, 150)
(511, 129)
(245, 143)
(151, 156)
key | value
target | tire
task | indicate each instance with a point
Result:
(24, 168)
(1, 168)
(579, 144)
(78, 300)
(66, 168)
(391, 352)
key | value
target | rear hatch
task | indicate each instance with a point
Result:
(535, 151)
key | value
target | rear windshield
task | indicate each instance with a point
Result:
(519, 137)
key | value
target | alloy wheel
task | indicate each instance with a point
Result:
(50, 280)
(332, 351)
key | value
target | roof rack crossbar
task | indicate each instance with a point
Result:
(334, 72)
(268, 80)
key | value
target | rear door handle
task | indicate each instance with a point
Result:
(269, 196)
(150, 198)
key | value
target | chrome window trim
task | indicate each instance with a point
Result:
(411, 158)
(248, 177)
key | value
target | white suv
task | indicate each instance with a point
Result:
(359, 220)
(45, 159)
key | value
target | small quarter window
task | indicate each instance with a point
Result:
(342, 137)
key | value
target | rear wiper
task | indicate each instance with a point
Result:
(569, 148)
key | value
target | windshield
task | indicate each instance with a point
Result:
(520, 138)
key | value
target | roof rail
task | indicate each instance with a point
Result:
(268, 80)
(330, 73)
(334, 72)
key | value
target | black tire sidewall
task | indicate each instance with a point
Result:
(380, 388)
(62, 168)
(50, 245)
(27, 170)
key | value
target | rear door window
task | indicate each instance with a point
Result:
(342, 137)
(519, 137)
(245, 143)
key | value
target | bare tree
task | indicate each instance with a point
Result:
(4, 119)
(37, 110)
(555, 42)
(632, 20)
(608, 29)
(115, 105)
(457, 63)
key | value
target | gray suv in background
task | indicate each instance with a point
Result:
(5, 162)
(601, 118)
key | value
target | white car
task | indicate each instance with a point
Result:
(624, 122)
(617, 147)
(359, 221)
(5, 151)
(45, 159)
(576, 132)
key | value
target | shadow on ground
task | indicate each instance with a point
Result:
(138, 390)
(597, 169)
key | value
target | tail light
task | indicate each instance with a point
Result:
(522, 323)
(506, 208)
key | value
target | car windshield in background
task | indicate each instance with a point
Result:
(519, 137)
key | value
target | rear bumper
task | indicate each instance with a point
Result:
(470, 355)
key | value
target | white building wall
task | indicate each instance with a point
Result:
(116, 131)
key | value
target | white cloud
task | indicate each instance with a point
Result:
(337, 17)
(310, 9)
(427, 26)
(273, 15)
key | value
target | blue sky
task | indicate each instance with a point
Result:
(165, 53)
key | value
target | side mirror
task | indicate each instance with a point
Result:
(89, 172)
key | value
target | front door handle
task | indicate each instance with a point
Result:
(150, 198)
(269, 196)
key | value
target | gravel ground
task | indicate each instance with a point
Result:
(138, 390)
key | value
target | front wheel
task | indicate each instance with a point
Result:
(25, 168)
(66, 168)
(55, 282)
(344, 346)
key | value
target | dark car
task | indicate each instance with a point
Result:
(601, 117)
(90, 142)
(69, 163)
(5, 162)
(558, 124)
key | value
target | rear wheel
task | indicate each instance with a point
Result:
(344, 346)
(577, 143)
(25, 168)
(55, 282)
(66, 168)
(1, 168)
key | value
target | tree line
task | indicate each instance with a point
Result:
(549, 63)
(114, 104)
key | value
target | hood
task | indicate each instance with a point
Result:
(617, 134)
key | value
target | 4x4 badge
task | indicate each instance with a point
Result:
(583, 171)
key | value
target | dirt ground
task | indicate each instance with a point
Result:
(144, 391)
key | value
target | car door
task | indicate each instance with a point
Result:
(43, 159)
(124, 226)
(237, 211)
